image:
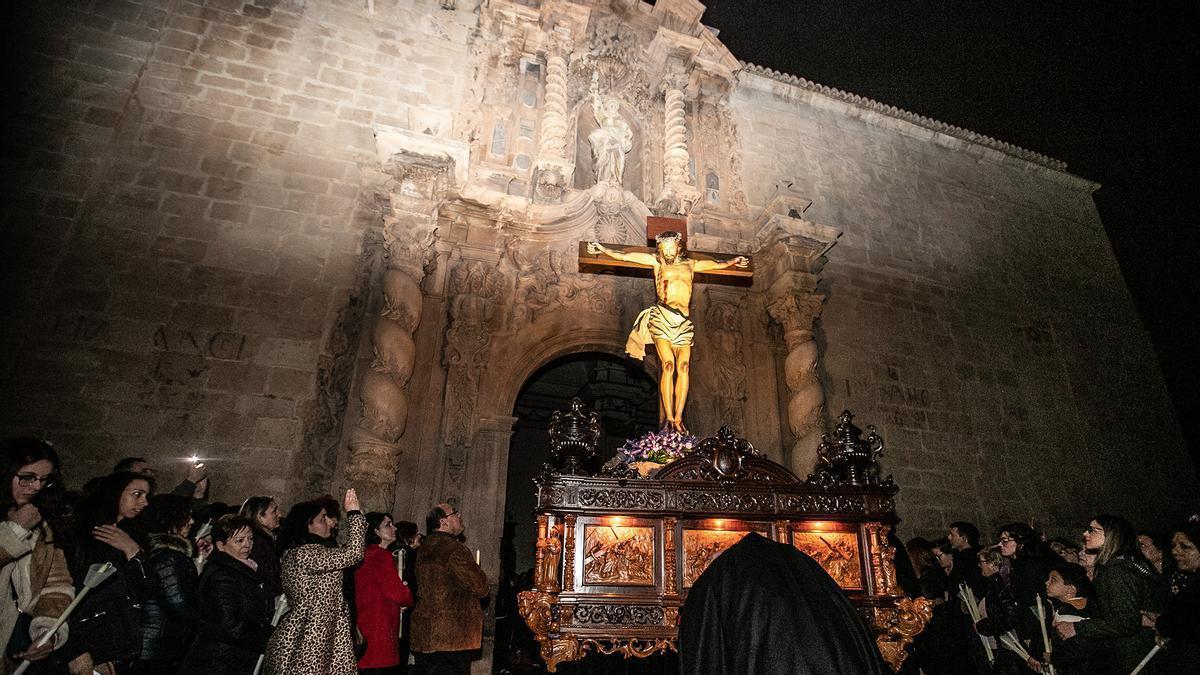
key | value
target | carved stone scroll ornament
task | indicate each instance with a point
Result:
(474, 292)
(796, 312)
(555, 125)
(383, 412)
(724, 320)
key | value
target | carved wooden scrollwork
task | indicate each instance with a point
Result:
(540, 611)
(630, 615)
(636, 648)
(726, 458)
(724, 501)
(568, 580)
(827, 503)
(621, 499)
(896, 627)
(640, 544)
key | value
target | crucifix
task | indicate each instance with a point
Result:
(666, 324)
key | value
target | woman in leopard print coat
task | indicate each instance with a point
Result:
(314, 637)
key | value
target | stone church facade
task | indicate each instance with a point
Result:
(325, 244)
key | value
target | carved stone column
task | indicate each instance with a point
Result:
(796, 310)
(554, 169)
(790, 254)
(408, 234)
(678, 193)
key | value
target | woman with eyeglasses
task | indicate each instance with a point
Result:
(1001, 606)
(1021, 545)
(35, 582)
(1122, 590)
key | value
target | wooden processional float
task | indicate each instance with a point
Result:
(617, 553)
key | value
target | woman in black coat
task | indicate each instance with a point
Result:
(235, 612)
(1002, 609)
(264, 512)
(106, 628)
(1179, 623)
(168, 617)
(1122, 590)
(1026, 553)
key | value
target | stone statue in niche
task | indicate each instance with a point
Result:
(612, 140)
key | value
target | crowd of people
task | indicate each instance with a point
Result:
(1116, 600)
(121, 579)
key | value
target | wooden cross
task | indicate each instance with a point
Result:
(600, 264)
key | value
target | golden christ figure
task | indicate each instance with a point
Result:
(666, 324)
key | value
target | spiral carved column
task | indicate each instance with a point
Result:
(554, 169)
(677, 192)
(383, 398)
(796, 312)
(554, 116)
(675, 154)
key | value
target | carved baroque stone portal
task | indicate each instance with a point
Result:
(482, 222)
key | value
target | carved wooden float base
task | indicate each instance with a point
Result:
(617, 553)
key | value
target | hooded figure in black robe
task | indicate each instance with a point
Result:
(768, 609)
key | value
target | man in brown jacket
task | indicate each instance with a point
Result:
(447, 624)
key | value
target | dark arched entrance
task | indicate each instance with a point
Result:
(619, 389)
(626, 398)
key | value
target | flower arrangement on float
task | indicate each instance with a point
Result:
(653, 450)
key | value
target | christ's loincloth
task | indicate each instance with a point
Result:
(659, 322)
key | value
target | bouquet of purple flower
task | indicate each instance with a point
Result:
(657, 446)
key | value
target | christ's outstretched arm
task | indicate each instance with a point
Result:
(596, 248)
(710, 265)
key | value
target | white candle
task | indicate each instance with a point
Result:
(476, 556)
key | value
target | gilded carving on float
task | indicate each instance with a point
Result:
(836, 553)
(623, 593)
(616, 555)
(701, 547)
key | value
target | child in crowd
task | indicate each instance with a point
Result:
(1068, 588)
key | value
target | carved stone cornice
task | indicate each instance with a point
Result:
(670, 54)
(422, 158)
(785, 241)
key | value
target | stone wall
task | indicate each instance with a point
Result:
(191, 222)
(975, 313)
(188, 188)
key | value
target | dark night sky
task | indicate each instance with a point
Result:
(1109, 88)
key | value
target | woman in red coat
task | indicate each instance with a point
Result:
(379, 597)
